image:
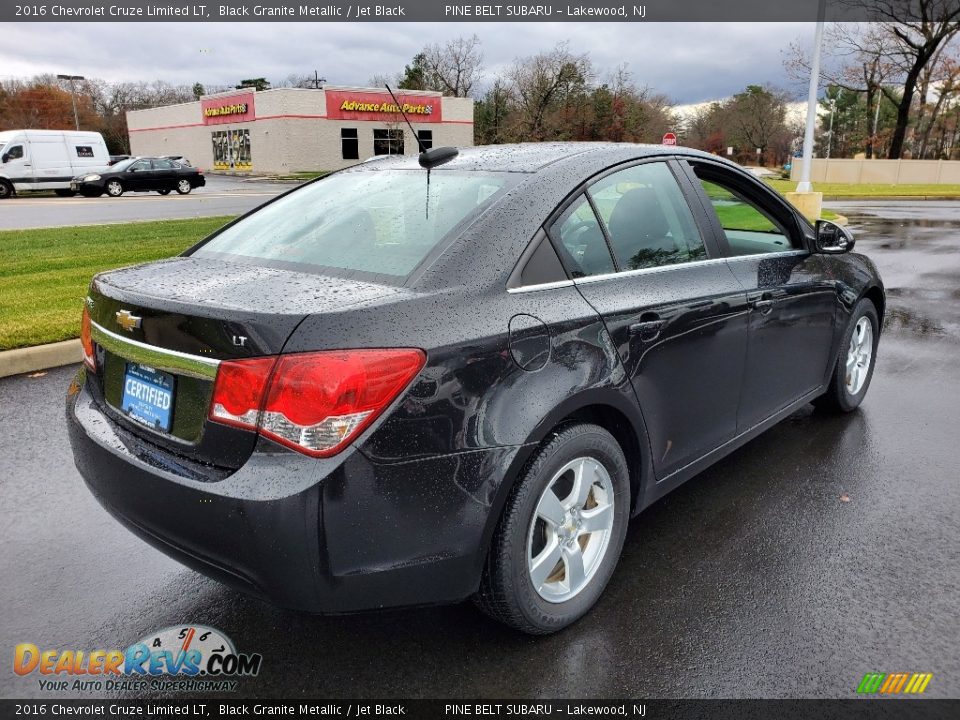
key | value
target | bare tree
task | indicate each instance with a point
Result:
(918, 30)
(541, 84)
(455, 67)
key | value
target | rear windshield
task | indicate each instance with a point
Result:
(379, 222)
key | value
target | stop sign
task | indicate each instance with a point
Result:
(669, 139)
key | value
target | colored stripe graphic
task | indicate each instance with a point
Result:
(894, 683)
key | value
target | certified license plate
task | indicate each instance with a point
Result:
(148, 396)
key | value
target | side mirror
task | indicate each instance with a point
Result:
(833, 239)
(5, 158)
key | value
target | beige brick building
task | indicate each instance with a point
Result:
(288, 130)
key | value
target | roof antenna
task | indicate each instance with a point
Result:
(428, 159)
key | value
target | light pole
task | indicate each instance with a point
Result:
(73, 95)
(833, 107)
(804, 184)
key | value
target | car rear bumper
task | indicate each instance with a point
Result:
(337, 535)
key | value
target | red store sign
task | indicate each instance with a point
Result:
(354, 105)
(221, 110)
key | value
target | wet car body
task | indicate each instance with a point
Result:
(678, 362)
(142, 174)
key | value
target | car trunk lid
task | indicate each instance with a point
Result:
(162, 329)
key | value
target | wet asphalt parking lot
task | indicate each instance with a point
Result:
(824, 549)
(220, 196)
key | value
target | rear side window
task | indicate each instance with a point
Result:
(379, 222)
(582, 245)
(647, 217)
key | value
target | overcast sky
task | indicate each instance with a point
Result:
(689, 62)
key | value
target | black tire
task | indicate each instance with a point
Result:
(6, 190)
(164, 192)
(184, 187)
(838, 397)
(507, 592)
(114, 188)
(65, 193)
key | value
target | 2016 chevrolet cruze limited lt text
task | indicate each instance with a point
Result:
(399, 385)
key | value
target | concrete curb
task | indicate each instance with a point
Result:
(39, 357)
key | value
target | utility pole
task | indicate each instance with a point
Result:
(833, 107)
(804, 199)
(317, 80)
(73, 95)
(804, 185)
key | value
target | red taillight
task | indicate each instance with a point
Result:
(89, 359)
(316, 403)
(238, 391)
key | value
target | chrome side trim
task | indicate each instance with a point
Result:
(541, 286)
(679, 266)
(761, 256)
(159, 358)
(649, 270)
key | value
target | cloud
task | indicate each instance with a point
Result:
(689, 62)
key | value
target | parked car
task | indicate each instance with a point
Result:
(179, 159)
(114, 159)
(47, 159)
(381, 390)
(139, 175)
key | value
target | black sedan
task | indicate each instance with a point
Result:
(388, 387)
(139, 174)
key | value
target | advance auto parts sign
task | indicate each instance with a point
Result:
(233, 108)
(353, 105)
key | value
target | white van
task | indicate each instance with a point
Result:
(48, 159)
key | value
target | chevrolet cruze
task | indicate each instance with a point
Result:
(405, 385)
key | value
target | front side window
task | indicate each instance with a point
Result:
(583, 247)
(388, 142)
(647, 217)
(749, 229)
(140, 165)
(14, 153)
(384, 222)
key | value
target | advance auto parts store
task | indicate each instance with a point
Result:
(291, 129)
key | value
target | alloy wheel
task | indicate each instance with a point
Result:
(114, 188)
(859, 356)
(183, 187)
(570, 530)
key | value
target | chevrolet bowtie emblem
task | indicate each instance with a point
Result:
(128, 321)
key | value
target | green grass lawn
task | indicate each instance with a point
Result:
(305, 175)
(44, 274)
(844, 190)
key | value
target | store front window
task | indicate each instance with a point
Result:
(231, 150)
(426, 138)
(349, 143)
(388, 142)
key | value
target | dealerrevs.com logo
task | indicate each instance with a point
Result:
(181, 657)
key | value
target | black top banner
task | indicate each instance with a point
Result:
(470, 709)
(444, 10)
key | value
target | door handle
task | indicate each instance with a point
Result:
(647, 329)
